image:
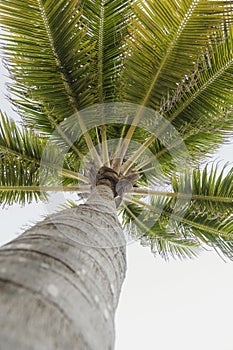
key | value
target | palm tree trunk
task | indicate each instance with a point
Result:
(60, 280)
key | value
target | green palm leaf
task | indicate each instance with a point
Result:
(171, 45)
(167, 39)
(162, 241)
(20, 157)
(49, 59)
(20, 143)
(27, 168)
(19, 181)
(198, 211)
(210, 191)
(203, 111)
(106, 23)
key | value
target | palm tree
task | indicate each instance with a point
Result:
(120, 102)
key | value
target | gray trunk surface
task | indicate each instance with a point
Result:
(60, 280)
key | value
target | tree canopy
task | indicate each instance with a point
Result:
(171, 57)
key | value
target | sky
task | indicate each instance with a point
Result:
(175, 305)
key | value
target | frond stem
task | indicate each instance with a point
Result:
(80, 189)
(68, 88)
(67, 172)
(183, 220)
(144, 191)
(126, 166)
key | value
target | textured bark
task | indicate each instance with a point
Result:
(60, 280)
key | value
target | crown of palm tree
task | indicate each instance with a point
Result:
(174, 57)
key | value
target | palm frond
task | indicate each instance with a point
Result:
(20, 157)
(199, 210)
(20, 143)
(48, 58)
(162, 241)
(203, 112)
(209, 190)
(168, 42)
(106, 22)
(167, 38)
(19, 181)
(201, 140)
(27, 160)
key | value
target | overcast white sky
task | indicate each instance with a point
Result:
(163, 306)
